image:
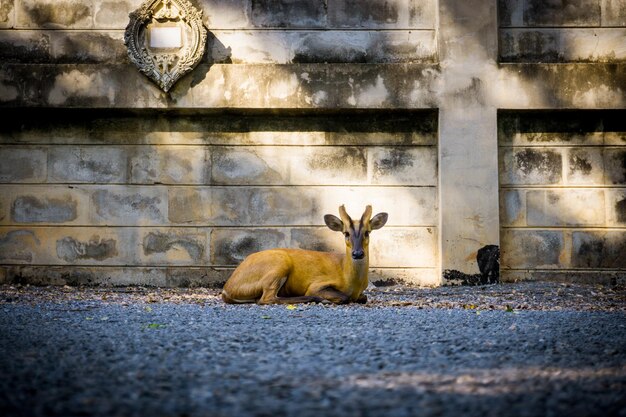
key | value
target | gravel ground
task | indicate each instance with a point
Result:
(530, 349)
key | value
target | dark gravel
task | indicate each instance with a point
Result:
(189, 355)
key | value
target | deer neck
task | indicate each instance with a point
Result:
(355, 270)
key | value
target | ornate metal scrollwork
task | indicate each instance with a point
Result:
(165, 39)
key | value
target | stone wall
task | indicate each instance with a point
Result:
(563, 195)
(563, 31)
(168, 198)
(297, 107)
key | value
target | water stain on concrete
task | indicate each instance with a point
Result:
(545, 163)
(620, 209)
(17, 245)
(70, 249)
(579, 163)
(65, 13)
(30, 209)
(156, 242)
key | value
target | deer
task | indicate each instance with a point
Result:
(291, 276)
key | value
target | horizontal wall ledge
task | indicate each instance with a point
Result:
(229, 46)
(561, 86)
(595, 277)
(311, 86)
(306, 86)
(181, 277)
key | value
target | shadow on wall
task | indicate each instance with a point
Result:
(174, 188)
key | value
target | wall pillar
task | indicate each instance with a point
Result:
(468, 147)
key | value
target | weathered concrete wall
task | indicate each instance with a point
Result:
(563, 31)
(101, 192)
(563, 195)
(295, 105)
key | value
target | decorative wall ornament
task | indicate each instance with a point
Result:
(165, 39)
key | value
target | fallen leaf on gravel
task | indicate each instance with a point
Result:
(265, 317)
(291, 307)
(155, 326)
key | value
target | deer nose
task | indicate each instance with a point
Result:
(358, 254)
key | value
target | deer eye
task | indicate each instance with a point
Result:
(366, 234)
(346, 234)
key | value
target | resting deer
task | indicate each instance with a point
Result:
(289, 276)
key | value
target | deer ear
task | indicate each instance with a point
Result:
(378, 221)
(333, 223)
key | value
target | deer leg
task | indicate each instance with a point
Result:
(332, 294)
(270, 295)
(362, 299)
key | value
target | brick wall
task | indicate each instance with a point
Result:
(563, 195)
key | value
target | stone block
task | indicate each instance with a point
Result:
(573, 207)
(23, 164)
(403, 166)
(599, 249)
(20, 85)
(174, 246)
(510, 13)
(278, 206)
(562, 13)
(331, 46)
(24, 46)
(189, 205)
(562, 45)
(525, 45)
(419, 277)
(406, 206)
(95, 86)
(613, 13)
(317, 238)
(363, 47)
(18, 246)
(288, 13)
(328, 166)
(372, 14)
(404, 247)
(43, 204)
(231, 246)
(585, 166)
(615, 166)
(225, 14)
(88, 47)
(512, 208)
(75, 246)
(170, 165)
(53, 14)
(252, 165)
(616, 202)
(87, 164)
(96, 248)
(7, 13)
(113, 14)
(129, 206)
(529, 166)
(38, 209)
(537, 249)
